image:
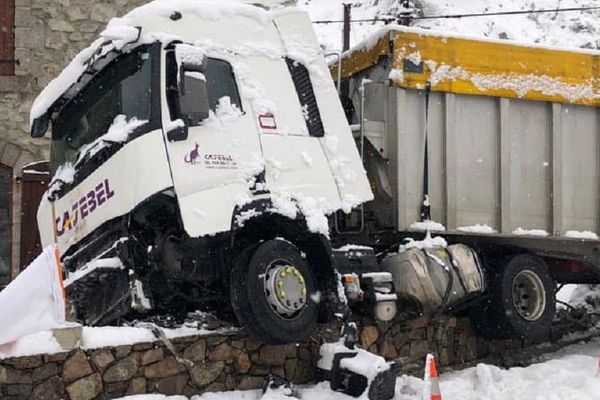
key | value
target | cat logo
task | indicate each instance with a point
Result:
(193, 157)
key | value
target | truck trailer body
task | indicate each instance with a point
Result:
(501, 138)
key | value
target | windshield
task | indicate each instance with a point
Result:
(123, 88)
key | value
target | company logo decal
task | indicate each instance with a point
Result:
(193, 157)
(210, 161)
(83, 208)
(219, 161)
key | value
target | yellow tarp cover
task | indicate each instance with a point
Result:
(480, 67)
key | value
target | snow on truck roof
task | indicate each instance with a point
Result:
(124, 31)
(475, 66)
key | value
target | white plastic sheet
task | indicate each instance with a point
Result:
(35, 300)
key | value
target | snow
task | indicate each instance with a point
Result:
(206, 9)
(567, 374)
(314, 210)
(246, 216)
(586, 296)
(350, 247)
(98, 337)
(529, 232)
(224, 114)
(568, 29)
(186, 54)
(396, 75)
(307, 158)
(104, 263)
(118, 132)
(427, 226)
(518, 83)
(37, 343)
(477, 229)
(427, 243)
(64, 175)
(581, 235)
(121, 31)
(564, 295)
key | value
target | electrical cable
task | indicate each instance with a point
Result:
(449, 16)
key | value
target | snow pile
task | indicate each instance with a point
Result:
(581, 235)
(427, 243)
(193, 55)
(105, 336)
(427, 226)
(529, 232)
(225, 113)
(477, 229)
(586, 296)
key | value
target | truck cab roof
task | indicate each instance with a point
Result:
(249, 24)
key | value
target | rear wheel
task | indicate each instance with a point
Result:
(270, 292)
(521, 302)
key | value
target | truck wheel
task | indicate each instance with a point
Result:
(270, 292)
(521, 303)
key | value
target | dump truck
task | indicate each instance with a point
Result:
(201, 158)
(492, 144)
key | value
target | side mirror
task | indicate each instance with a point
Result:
(40, 126)
(193, 97)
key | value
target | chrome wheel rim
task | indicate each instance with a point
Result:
(529, 295)
(285, 288)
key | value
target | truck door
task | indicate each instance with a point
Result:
(295, 162)
(213, 167)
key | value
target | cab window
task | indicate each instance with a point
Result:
(123, 88)
(220, 82)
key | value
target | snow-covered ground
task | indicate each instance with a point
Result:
(568, 29)
(569, 374)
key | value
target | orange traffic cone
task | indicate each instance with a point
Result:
(431, 380)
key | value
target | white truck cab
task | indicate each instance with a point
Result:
(198, 148)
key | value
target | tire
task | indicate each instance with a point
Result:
(521, 303)
(257, 308)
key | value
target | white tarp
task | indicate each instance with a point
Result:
(35, 300)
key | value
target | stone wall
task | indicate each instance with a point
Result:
(48, 34)
(218, 362)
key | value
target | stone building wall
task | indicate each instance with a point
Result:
(48, 34)
(218, 362)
